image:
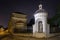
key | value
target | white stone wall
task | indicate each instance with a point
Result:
(41, 17)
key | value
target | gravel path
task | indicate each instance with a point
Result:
(28, 38)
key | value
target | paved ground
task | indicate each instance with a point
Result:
(28, 38)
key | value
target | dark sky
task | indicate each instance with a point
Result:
(25, 6)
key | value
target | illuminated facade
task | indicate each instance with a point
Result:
(41, 25)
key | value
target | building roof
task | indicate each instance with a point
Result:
(19, 13)
(41, 10)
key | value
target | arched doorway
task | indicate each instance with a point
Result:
(40, 27)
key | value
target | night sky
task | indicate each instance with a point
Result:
(25, 6)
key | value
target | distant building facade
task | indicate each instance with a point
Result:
(17, 23)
